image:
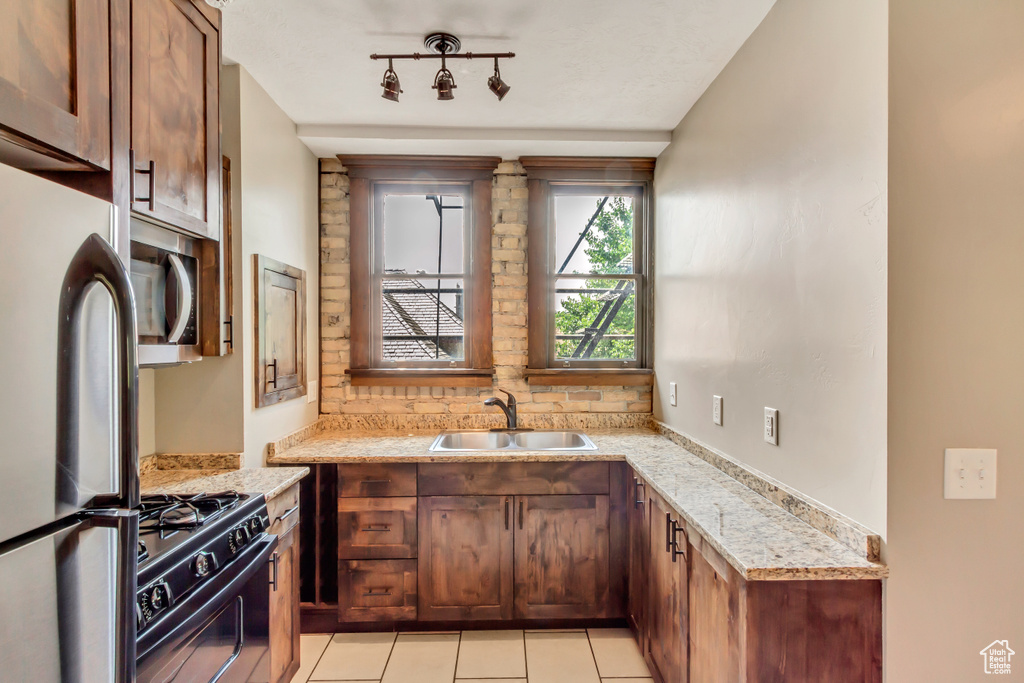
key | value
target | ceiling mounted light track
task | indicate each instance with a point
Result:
(443, 46)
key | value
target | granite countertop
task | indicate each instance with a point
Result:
(760, 539)
(270, 481)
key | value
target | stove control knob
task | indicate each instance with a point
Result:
(238, 538)
(255, 525)
(202, 564)
(158, 597)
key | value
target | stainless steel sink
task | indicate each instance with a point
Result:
(553, 440)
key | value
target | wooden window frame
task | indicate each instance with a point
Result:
(545, 177)
(366, 172)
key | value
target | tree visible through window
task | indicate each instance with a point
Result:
(595, 282)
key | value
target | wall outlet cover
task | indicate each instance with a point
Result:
(771, 426)
(716, 410)
(970, 473)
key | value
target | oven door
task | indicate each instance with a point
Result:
(221, 632)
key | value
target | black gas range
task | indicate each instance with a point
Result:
(204, 575)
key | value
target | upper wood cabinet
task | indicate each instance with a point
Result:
(55, 84)
(175, 115)
(280, 348)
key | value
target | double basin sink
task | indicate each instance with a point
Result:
(545, 440)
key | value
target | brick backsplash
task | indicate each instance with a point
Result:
(509, 205)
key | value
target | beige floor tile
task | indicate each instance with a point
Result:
(617, 653)
(311, 646)
(560, 657)
(627, 680)
(423, 658)
(490, 680)
(491, 654)
(354, 657)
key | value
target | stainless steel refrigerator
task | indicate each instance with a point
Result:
(68, 438)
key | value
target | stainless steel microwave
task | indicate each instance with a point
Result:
(165, 276)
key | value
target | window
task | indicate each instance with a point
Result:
(420, 273)
(589, 267)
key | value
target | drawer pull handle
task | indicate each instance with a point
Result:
(274, 560)
(376, 481)
(151, 172)
(508, 504)
(273, 382)
(639, 502)
(376, 528)
(674, 541)
(287, 514)
(375, 594)
(520, 514)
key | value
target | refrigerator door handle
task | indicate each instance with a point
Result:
(127, 524)
(96, 261)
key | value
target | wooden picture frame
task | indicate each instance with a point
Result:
(279, 327)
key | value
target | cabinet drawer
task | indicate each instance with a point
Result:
(513, 478)
(376, 528)
(283, 511)
(376, 590)
(372, 480)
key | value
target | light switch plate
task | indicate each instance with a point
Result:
(771, 426)
(672, 393)
(716, 410)
(311, 390)
(970, 473)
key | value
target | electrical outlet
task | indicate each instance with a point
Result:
(771, 426)
(716, 410)
(970, 473)
(311, 394)
(672, 393)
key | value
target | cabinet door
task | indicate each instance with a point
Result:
(639, 542)
(284, 609)
(465, 557)
(715, 593)
(55, 84)
(667, 637)
(561, 556)
(176, 115)
(280, 331)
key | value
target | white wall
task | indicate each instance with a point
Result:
(770, 249)
(956, 333)
(209, 406)
(279, 219)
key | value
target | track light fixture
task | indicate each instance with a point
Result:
(444, 83)
(390, 84)
(498, 86)
(443, 46)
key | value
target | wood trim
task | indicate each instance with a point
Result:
(406, 377)
(620, 169)
(216, 281)
(547, 377)
(419, 167)
(365, 171)
(537, 258)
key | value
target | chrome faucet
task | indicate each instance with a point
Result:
(508, 408)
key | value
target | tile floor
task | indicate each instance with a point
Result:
(562, 656)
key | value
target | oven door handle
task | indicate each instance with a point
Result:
(184, 288)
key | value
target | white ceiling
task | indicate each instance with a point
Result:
(592, 77)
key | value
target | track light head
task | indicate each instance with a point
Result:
(390, 83)
(444, 83)
(498, 86)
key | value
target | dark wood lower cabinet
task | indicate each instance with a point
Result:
(377, 590)
(638, 531)
(284, 609)
(465, 557)
(668, 604)
(561, 557)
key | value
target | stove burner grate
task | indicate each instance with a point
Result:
(167, 512)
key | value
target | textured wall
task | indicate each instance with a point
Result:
(771, 255)
(956, 334)
(508, 266)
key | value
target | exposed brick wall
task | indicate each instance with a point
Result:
(509, 204)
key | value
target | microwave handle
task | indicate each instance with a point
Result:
(184, 298)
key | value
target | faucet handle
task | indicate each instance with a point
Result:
(511, 398)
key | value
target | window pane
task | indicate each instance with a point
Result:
(595, 319)
(422, 320)
(606, 246)
(421, 231)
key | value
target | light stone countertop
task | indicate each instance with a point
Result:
(270, 481)
(760, 539)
